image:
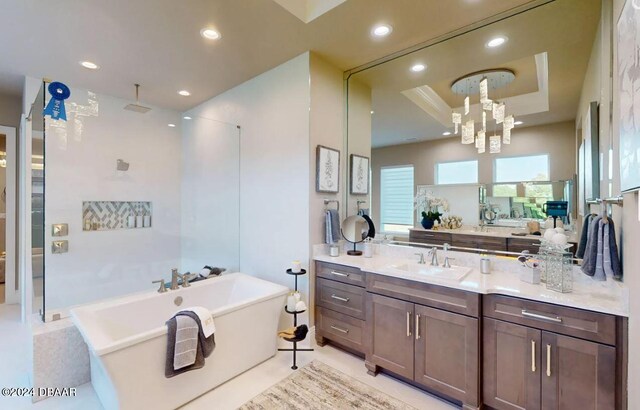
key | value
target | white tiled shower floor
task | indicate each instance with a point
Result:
(14, 366)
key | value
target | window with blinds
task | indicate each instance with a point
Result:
(396, 198)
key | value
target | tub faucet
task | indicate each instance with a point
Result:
(162, 288)
(174, 279)
(186, 277)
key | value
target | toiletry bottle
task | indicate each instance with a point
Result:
(139, 221)
(147, 220)
(131, 221)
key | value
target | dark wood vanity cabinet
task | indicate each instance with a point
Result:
(528, 366)
(484, 351)
(389, 327)
(435, 348)
(493, 243)
(429, 237)
(340, 306)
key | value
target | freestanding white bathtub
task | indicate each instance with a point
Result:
(127, 340)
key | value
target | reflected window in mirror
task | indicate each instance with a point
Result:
(458, 172)
(525, 168)
(396, 199)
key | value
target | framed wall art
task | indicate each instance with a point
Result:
(327, 169)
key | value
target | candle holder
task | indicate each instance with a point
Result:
(558, 266)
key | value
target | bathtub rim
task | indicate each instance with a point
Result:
(104, 346)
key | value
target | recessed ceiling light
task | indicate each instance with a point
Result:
(90, 65)
(381, 30)
(446, 133)
(372, 111)
(418, 67)
(186, 117)
(518, 123)
(496, 42)
(171, 125)
(184, 93)
(210, 34)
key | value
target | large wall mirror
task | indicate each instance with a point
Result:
(486, 121)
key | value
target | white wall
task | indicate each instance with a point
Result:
(326, 128)
(272, 110)
(81, 166)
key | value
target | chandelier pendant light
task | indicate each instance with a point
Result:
(480, 83)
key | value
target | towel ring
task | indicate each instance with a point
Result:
(328, 201)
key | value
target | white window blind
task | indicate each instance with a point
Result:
(396, 198)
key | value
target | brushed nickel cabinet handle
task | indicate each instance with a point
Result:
(533, 356)
(339, 329)
(417, 327)
(408, 324)
(341, 299)
(556, 319)
(339, 273)
(549, 360)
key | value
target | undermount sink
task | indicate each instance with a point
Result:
(456, 273)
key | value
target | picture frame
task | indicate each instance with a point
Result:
(628, 123)
(327, 170)
(359, 175)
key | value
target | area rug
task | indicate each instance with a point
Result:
(318, 386)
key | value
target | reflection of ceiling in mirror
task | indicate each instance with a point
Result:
(564, 30)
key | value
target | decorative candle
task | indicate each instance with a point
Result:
(296, 267)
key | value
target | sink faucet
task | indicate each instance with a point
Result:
(434, 256)
(421, 255)
(447, 261)
(174, 279)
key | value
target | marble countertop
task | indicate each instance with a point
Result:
(610, 296)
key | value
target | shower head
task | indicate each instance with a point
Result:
(141, 109)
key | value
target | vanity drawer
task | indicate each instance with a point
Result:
(598, 327)
(343, 298)
(429, 237)
(452, 300)
(480, 242)
(340, 273)
(519, 245)
(340, 328)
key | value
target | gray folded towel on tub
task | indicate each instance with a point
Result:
(187, 346)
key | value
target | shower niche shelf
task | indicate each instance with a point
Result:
(116, 215)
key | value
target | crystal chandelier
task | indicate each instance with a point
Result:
(480, 83)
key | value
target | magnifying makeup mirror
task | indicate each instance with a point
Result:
(355, 229)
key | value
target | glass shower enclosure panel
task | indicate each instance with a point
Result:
(210, 195)
(37, 202)
(141, 194)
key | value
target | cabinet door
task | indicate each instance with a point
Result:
(390, 328)
(577, 374)
(511, 366)
(446, 348)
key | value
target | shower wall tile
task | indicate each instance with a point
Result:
(111, 215)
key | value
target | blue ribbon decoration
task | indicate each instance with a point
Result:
(55, 108)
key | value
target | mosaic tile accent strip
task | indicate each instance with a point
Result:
(111, 215)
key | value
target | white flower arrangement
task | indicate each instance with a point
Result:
(426, 201)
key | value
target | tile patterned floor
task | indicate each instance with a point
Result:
(14, 357)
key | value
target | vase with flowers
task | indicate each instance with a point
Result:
(430, 207)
